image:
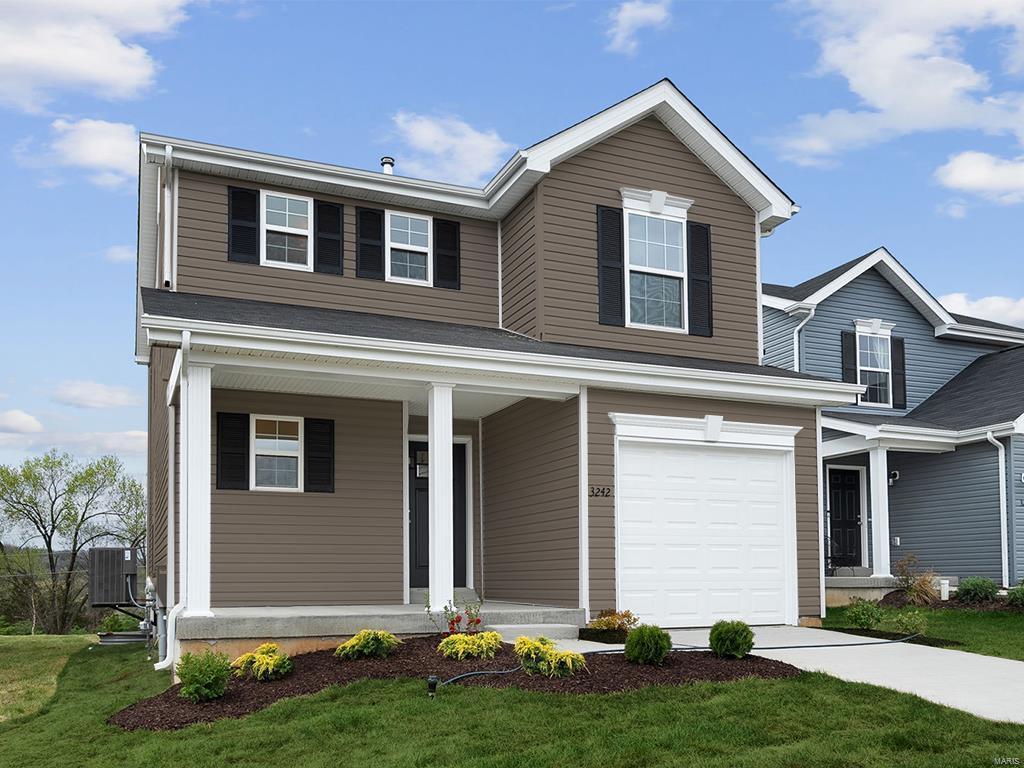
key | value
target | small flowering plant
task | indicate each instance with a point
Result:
(458, 620)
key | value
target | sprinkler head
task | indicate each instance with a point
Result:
(432, 682)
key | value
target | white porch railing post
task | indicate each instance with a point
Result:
(196, 439)
(879, 513)
(439, 437)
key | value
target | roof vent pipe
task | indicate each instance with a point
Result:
(388, 164)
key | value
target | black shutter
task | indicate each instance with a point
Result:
(611, 273)
(243, 225)
(899, 373)
(849, 357)
(328, 251)
(319, 438)
(370, 243)
(698, 278)
(233, 451)
(446, 254)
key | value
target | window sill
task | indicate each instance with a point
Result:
(262, 489)
(408, 281)
(662, 328)
(292, 267)
(874, 405)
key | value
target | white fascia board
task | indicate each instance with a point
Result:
(979, 333)
(910, 435)
(476, 361)
(776, 302)
(710, 429)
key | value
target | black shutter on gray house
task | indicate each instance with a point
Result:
(328, 224)
(698, 278)
(899, 373)
(370, 243)
(611, 271)
(319, 459)
(243, 225)
(447, 272)
(233, 451)
(849, 341)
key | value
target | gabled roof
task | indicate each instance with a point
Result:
(523, 170)
(814, 290)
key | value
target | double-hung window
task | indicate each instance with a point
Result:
(408, 240)
(287, 237)
(276, 453)
(874, 368)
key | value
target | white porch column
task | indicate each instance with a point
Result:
(195, 501)
(439, 437)
(879, 512)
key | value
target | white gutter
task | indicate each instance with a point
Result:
(1003, 526)
(796, 337)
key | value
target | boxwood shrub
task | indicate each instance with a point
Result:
(976, 589)
(648, 644)
(733, 639)
(1015, 596)
(203, 676)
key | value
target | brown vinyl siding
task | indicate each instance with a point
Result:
(280, 548)
(601, 443)
(645, 155)
(203, 266)
(531, 503)
(161, 360)
(463, 428)
(519, 268)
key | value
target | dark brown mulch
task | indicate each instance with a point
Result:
(934, 642)
(898, 599)
(417, 658)
(613, 636)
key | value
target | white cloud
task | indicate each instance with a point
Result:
(626, 20)
(1000, 309)
(49, 46)
(905, 63)
(449, 149)
(18, 422)
(107, 152)
(120, 253)
(954, 209)
(986, 175)
(92, 394)
(81, 443)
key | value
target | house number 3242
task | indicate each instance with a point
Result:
(600, 490)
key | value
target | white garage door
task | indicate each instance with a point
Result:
(702, 534)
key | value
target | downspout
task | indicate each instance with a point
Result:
(1003, 532)
(501, 298)
(169, 622)
(168, 224)
(796, 338)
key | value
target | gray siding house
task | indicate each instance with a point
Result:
(929, 461)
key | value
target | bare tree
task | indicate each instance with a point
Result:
(59, 507)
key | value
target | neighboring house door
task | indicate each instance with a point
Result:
(419, 514)
(844, 516)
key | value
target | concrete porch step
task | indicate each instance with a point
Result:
(509, 632)
(418, 596)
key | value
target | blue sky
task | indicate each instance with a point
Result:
(895, 124)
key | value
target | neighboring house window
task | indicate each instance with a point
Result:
(655, 239)
(276, 452)
(874, 368)
(287, 231)
(407, 239)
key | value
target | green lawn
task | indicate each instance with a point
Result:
(993, 633)
(29, 666)
(812, 720)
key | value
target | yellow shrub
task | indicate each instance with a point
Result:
(366, 643)
(620, 620)
(561, 663)
(267, 662)
(482, 645)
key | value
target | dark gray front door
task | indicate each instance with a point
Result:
(844, 516)
(419, 514)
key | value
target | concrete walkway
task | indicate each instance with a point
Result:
(985, 686)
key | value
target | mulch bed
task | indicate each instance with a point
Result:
(934, 642)
(417, 658)
(898, 599)
(610, 636)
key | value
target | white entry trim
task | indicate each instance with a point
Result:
(864, 545)
(631, 427)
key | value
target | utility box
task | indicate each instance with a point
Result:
(111, 571)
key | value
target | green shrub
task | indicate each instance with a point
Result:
(731, 638)
(267, 662)
(115, 621)
(539, 656)
(908, 623)
(976, 589)
(1015, 596)
(618, 620)
(203, 676)
(375, 643)
(480, 645)
(648, 644)
(864, 614)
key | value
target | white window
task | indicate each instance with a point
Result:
(874, 368)
(407, 239)
(275, 452)
(287, 231)
(655, 240)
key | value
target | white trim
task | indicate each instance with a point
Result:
(760, 315)
(879, 466)
(428, 251)
(908, 436)
(655, 202)
(406, 506)
(1004, 551)
(874, 329)
(196, 463)
(669, 208)
(583, 463)
(174, 234)
(265, 227)
(863, 484)
(776, 302)
(821, 513)
(480, 449)
(501, 293)
(796, 336)
(252, 453)
(440, 534)
(567, 373)
(170, 573)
